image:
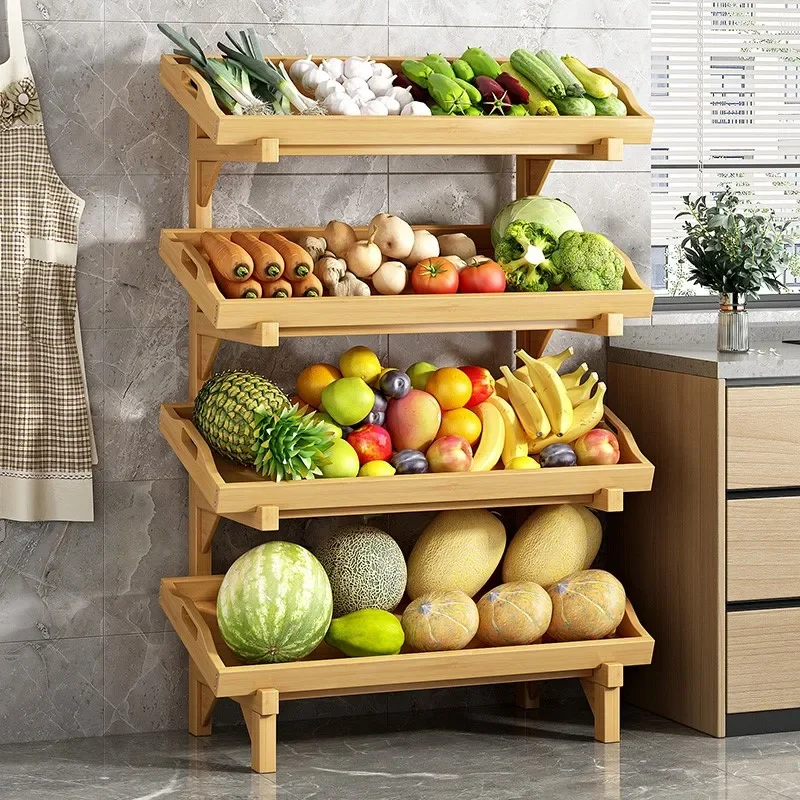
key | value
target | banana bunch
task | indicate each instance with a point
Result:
(548, 407)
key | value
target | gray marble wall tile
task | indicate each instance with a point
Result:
(63, 10)
(143, 369)
(51, 579)
(145, 534)
(91, 247)
(92, 341)
(515, 14)
(51, 690)
(146, 681)
(69, 68)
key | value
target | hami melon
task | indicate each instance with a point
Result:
(440, 621)
(514, 614)
(587, 605)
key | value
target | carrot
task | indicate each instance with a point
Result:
(228, 261)
(299, 263)
(278, 288)
(250, 289)
(310, 286)
(267, 260)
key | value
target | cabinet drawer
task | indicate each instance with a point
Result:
(763, 437)
(763, 657)
(763, 548)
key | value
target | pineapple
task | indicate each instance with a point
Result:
(248, 419)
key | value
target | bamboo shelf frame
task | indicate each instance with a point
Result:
(190, 605)
(219, 489)
(264, 322)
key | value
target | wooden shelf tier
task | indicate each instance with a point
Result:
(190, 605)
(242, 138)
(229, 490)
(264, 322)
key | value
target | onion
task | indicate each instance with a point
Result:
(327, 88)
(401, 94)
(380, 85)
(382, 71)
(356, 67)
(374, 108)
(334, 67)
(416, 109)
(299, 69)
(313, 78)
(392, 105)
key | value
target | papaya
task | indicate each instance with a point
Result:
(368, 632)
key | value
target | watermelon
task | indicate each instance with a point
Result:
(274, 604)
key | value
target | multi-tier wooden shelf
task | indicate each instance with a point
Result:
(220, 489)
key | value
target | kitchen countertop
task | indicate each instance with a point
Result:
(769, 361)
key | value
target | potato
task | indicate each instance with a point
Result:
(457, 244)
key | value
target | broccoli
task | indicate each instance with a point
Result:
(523, 252)
(587, 262)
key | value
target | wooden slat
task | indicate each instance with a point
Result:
(763, 660)
(764, 548)
(668, 548)
(763, 436)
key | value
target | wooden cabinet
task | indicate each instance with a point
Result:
(711, 558)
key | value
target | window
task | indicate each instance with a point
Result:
(726, 99)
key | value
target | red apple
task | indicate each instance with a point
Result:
(450, 454)
(597, 447)
(371, 442)
(482, 384)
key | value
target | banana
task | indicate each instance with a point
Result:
(551, 392)
(572, 379)
(516, 442)
(521, 373)
(587, 416)
(526, 404)
(583, 391)
(490, 447)
(557, 360)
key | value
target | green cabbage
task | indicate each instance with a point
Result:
(546, 211)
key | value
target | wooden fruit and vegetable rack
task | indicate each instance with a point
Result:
(220, 488)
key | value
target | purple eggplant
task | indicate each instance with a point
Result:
(517, 93)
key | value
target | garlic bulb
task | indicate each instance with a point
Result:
(334, 67)
(351, 85)
(339, 103)
(327, 88)
(313, 78)
(299, 68)
(374, 108)
(363, 95)
(416, 109)
(392, 105)
(356, 67)
(380, 85)
(402, 95)
(381, 71)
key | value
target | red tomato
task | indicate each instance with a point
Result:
(486, 277)
(434, 276)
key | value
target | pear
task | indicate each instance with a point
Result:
(394, 236)
(339, 236)
(426, 245)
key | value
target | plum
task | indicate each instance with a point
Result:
(558, 455)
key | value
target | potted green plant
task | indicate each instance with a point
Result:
(735, 251)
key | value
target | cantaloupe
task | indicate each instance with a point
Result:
(514, 613)
(440, 621)
(366, 569)
(553, 542)
(457, 550)
(587, 605)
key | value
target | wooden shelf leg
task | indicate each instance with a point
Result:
(533, 342)
(527, 695)
(602, 690)
(201, 704)
(203, 350)
(202, 526)
(202, 179)
(261, 717)
(531, 174)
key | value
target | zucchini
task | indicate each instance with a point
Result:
(472, 91)
(575, 107)
(463, 70)
(438, 63)
(609, 106)
(538, 73)
(572, 85)
(595, 85)
(481, 62)
(538, 105)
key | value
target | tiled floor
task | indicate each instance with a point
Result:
(498, 754)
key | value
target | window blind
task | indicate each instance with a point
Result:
(726, 100)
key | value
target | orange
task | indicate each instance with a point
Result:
(312, 380)
(461, 422)
(451, 387)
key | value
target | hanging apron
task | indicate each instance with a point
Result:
(46, 442)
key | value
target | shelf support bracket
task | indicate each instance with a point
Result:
(602, 690)
(260, 712)
(201, 704)
(608, 325)
(262, 334)
(533, 342)
(611, 149)
(608, 500)
(262, 518)
(532, 172)
(528, 695)
(202, 526)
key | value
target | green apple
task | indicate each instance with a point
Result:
(348, 400)
(342, 461)
(336, 431)
(419, 374)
